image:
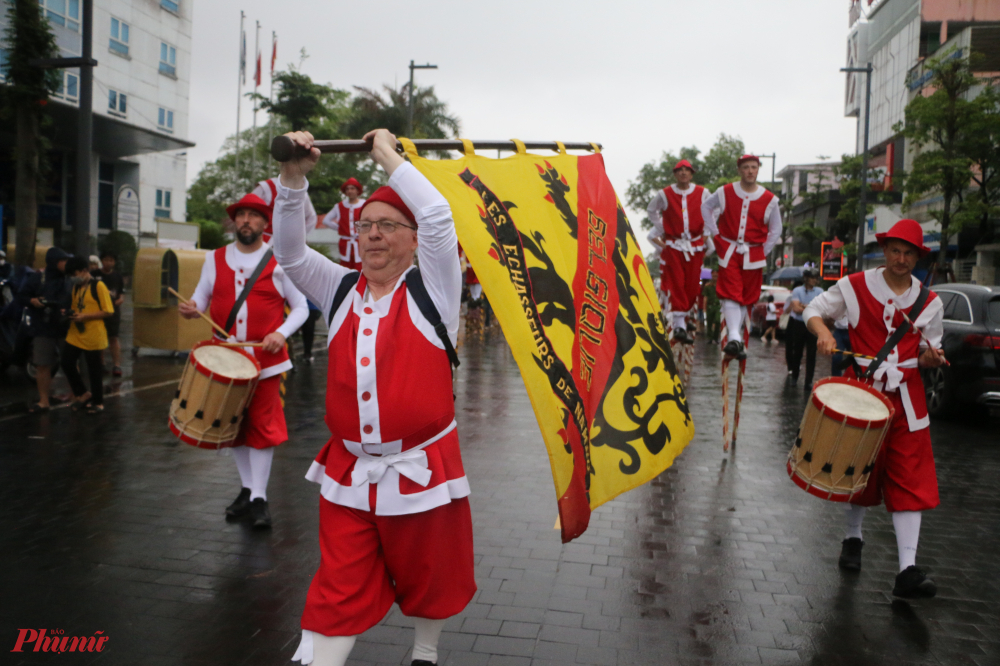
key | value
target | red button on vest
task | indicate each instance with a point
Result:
(366, 396)
(889, 301)
(367, 331)
(368, 430)
(368, 310)
(365, 361)
(241, 321)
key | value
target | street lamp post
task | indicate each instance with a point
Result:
(774, 161)
(863, 195)
(409, 110)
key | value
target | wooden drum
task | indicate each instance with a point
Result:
(215, 390)
(840, 436)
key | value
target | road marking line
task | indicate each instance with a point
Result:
(109, 395)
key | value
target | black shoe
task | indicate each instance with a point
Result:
(422, 662)
(795, 376)
(735, 349)
(259, 515)
(912, 583)
(240, 505)
(680, 335)
(850, 554)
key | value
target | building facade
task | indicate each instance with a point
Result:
(140, 120)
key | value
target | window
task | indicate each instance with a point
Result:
(958, 309)
(69, 88)
(993, 310)
(803, 181)
(119, 37)
(168, 59)
(62, 12)
(117, 103)
(162, 204)
(165, 119)
(171, 6)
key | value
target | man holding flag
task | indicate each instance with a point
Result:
(395, 523)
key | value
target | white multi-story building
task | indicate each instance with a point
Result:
(140, 105)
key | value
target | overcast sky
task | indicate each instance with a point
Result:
(638, 77)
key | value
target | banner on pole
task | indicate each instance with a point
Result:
(551, 245)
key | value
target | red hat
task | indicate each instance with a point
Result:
(252, 202)
(909, 231)
(387, 195)
(352, 181)
(685, 164)
(748, 158)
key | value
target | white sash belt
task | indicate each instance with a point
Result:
(685, 244)
(889, 375)
(411, 463)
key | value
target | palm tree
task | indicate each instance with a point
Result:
(388, 108)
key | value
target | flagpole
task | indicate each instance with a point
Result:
(256, 83)
(274, 54)
(239, 93)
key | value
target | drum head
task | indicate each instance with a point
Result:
(225, 362)
(852, 401)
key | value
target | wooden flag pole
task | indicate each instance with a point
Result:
(284, 149)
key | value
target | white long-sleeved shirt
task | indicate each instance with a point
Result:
(247, 261)
(332, 219)
(714, 206)
(263, 190)
(437, 249)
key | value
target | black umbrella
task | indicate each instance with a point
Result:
(787, 273)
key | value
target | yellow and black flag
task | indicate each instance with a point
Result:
(560, 265)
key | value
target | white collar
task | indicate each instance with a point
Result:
(752, 196)
(879, 288)
(361, 202)
(690, 189)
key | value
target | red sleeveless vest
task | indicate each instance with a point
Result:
(673, 216)
(265, 307)
(737, 210)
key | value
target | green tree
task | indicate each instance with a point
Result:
(716, 169)
(814, 197)
(27, 91)
(371, 109)
(937, 125)
(848, 175)
(982, 145)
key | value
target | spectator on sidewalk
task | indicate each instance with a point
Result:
(47, 295)
(115, 283)
(713, 309)
(90, 304)
(840, 333)
(799, 336)
(309, 331)
(94, 264)
(5, 268)
(770, 320)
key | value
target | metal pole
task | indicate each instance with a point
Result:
(84, 134)
(270, 96)
(256, 78)
(409, 104)
(863, 196)
(239, 94)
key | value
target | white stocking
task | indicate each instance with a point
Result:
(241, 454)
(331, 650)
(679, 320)
(260, 465)
(907, 526)
(733, 313)
(855, 515)
(425, 640)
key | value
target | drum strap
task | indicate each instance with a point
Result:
(246, 289)
(895, 338)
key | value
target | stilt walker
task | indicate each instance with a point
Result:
(745, 222)
(678, 226)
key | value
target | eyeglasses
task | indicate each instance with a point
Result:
(385, 226)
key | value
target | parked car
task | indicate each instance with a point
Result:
(971, 343)
(758, 315)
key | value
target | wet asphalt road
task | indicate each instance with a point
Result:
(109, 524)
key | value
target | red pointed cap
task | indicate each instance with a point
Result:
(352, 181)
(387, 195)
(252, 202)
(685, 164)
(748, 158)
(906, 230)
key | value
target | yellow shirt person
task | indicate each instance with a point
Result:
(90, 334)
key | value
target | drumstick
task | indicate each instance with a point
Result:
(849, 353)
(241, 344)
(922, 334)
(204, 316)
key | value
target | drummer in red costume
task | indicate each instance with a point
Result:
(904, 474)
(675, 212)
(261, 318)
(395, 524)
(266, 189)
(745, 222)
(343, 218)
